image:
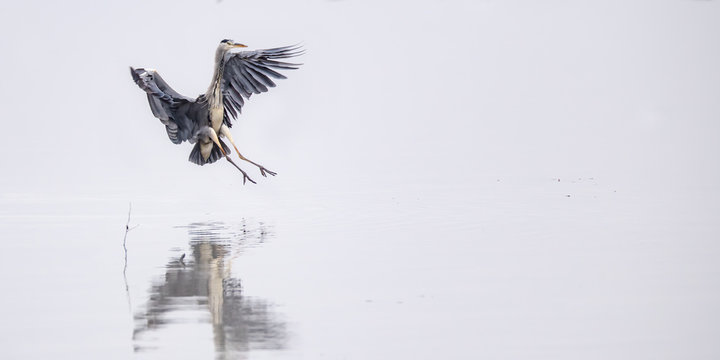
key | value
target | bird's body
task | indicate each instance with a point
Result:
(204, 120)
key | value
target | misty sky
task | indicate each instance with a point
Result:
(396, 92)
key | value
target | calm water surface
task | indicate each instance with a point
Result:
(548, 269)
(199, 286)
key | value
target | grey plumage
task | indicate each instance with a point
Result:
(237, 76)
(215, 154)
(248, 73)
(167, 105)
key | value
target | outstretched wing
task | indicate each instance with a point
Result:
(250, 72)
(173, 109)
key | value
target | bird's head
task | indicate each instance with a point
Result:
(228, 44)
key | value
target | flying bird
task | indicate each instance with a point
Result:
(205, 120)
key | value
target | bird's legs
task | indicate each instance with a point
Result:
(226, 132)
(215, 139)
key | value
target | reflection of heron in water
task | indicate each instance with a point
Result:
(202, 281)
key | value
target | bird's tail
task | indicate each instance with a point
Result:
(197, 158)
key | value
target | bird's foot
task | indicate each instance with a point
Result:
(245, 175)
(264, 171)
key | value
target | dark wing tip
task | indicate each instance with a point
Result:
(134, 74)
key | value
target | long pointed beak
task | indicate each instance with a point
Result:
(239, 45)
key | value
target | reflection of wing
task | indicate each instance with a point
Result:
(249, 72)
(166, 104)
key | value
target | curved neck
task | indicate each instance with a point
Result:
(213, 94)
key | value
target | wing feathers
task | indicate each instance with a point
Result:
(251, 72)
(260, 76)
(266, 70)
(166, 104)
(240, 79)
(257, 86)
(245, 73)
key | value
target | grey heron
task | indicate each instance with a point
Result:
(205, 120)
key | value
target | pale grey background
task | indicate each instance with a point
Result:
(390, 91)
(545, 171)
